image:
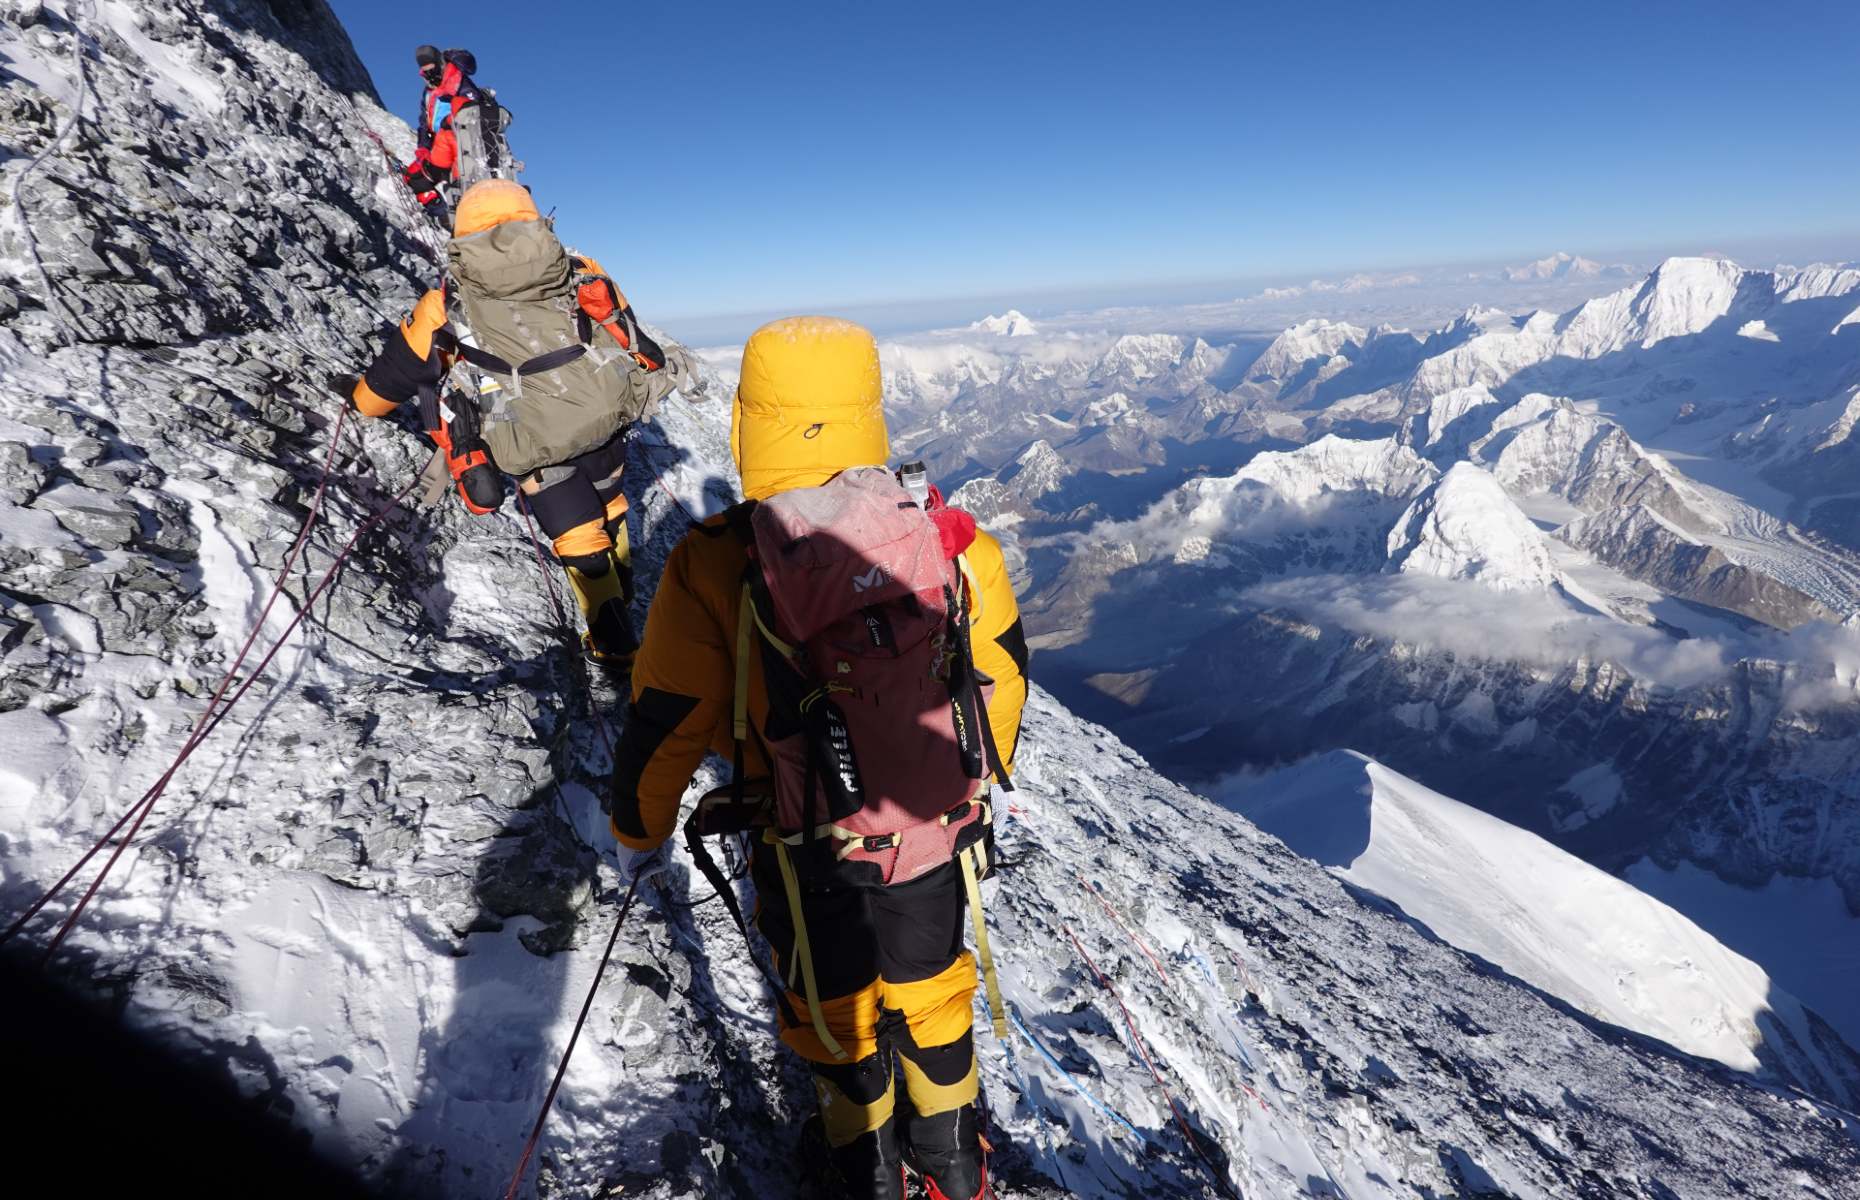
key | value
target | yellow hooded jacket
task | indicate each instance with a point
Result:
(809, 406)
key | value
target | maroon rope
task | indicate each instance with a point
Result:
(200, 724)
(410, 210)
(154, 794)
(1098, 895)
(1220, 1179)
(529, 1147)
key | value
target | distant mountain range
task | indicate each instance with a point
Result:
(1596, 570)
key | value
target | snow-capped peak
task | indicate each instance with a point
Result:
(1466, 527)
(1333, 464)
(1561, 265)
(1011, 323)
(1038, 471)
(1140, 356)
(1317, 338)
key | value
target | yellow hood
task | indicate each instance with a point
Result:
(810, 405)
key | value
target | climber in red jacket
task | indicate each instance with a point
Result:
(448, 81)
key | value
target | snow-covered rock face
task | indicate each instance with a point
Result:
(1466, 527)
(1453, 420)
(268, 198)
(1593, 463)
(377, 895)
(1643, 545)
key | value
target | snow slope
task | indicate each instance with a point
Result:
(1545, 916)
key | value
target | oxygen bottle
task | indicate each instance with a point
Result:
(914, 477)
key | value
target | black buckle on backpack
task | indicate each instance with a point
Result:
(878, 843)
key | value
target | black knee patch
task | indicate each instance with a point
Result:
(594, 566)
(944, 1065)
(863, 1082)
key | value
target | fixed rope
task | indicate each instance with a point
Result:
(408, 208)
(1246, 1060)
(529, 1147)
(1194, 1142)
(1110, 1114)
(147, 804)
(1097, 894)
(207, 716)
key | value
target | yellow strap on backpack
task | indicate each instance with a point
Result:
(997, 1011)
(805, 953)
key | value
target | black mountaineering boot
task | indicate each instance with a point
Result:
(867, 1169)
(946, 1152)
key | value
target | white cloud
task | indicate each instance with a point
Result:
(1821, 663)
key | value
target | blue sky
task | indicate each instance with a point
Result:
(755, 158)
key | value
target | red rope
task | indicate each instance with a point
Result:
(660, 479)
(154, 794)
(529, 1147)
(206, 715)
(1098, 895)
(408, 208)
(1220, 1179)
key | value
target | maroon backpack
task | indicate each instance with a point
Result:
(877, 731)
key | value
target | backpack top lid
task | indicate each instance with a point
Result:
(855, 542)
(464, 60)
(518, 261)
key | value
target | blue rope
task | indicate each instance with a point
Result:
(1208, 973)
(1108, 1112)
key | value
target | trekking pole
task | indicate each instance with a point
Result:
(529, 1147)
